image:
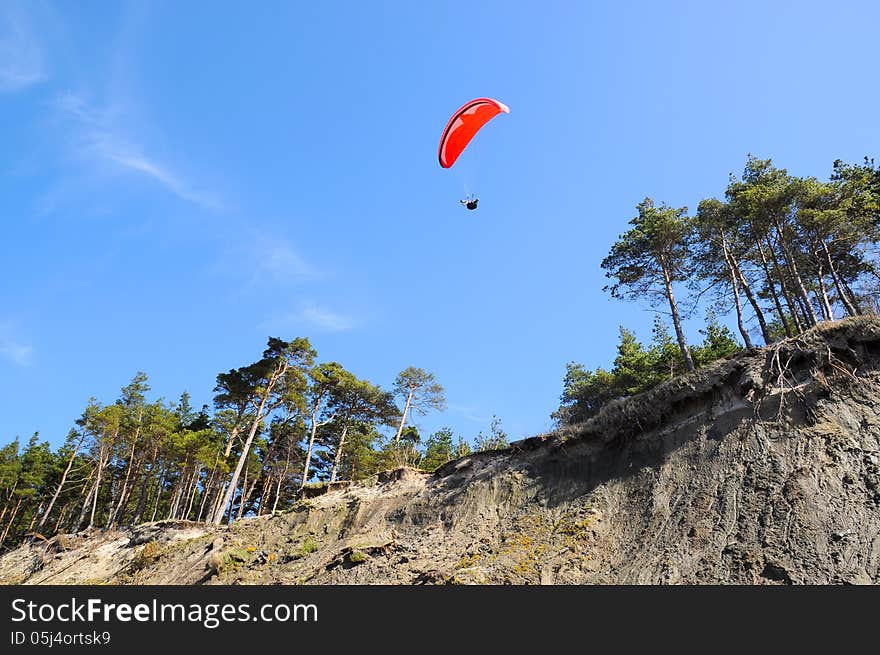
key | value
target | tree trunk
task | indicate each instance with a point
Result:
(282, 476)
(233, 434)
(265, 494)
(734, 283)
(227, 498)
(338, 459)
(218, 507)
(801, 289)
(400, 427)
(852, 296)
(179, 490)
(740, 324)
(95, 499)
(245, 451)
(824, 303)
(246, 494)
(759, 313)
(34, 517)
(676, 320)
(213, 492)
(194, 487)
(60, 484)
(101, 463)
(244, 482)
(843, 295)
(159, 485)
(802, 308)
(112, 486)
(206, 492)
(9, 497)
(88, 496)
(176, 495)
(812, 318)
(142, 496)
(313, 432)
(123, 496)
(794, 313)
(772, 287)
(61, 516)
(277, 494)
(11, 520)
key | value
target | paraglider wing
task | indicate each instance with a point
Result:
(464, 124)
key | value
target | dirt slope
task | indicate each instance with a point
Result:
(760, 469)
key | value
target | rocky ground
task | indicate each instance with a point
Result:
(762, 469)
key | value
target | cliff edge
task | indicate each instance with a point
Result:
(763, 468)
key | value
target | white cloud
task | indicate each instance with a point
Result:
(100, 138)
(326, 319)
(21, 55)
(12, 349)
(279, 260)
(469, 413)
(313, 316)
(140, 164)
(266, 259)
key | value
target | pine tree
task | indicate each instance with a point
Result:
(420, 393)
(650, 258)
(439, 449)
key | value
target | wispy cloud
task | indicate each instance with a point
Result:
(12, 349)
(139, 163)
(268, 259)
(325, 319)
(311, 316)
(278, 260)
(99, 136)
(469, 413)
(22, 63)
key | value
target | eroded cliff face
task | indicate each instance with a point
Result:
(764, 468)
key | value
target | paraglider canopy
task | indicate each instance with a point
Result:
(464, 124)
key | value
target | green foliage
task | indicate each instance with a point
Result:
(783, 251)
(362, 458)
(411, 435)
(584, 393)
(646, 261)
(405, 452)
(495, 440)
(665, 356)
(420, 393)
(10, 466)
(718, 342)
(439, 449)
(462, 449)
(658, 244)
(422, 388)
(636, 369)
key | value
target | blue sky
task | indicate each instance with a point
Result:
(179, 181)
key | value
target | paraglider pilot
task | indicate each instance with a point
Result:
(470, 203)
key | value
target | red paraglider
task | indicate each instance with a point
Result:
(464, 124)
